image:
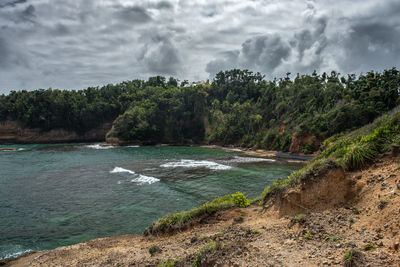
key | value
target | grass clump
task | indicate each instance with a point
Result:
(175, 221)
(299, 217)
(369, 247)
(334, 238)
(169, 263)
(351, 257)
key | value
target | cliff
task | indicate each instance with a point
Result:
(14, 132)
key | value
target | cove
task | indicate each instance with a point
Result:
(57, 195)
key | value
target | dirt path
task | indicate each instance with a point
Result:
(256, 236)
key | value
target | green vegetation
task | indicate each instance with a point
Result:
(169, 263)
(237, 107)
(350, 151)
(369, 247)
(334, 238)
(356, 211)
(308, 235)
(298, 218)
(174, 221)
(351, 256)
(205, 250)
(240, 200)
(338, 152)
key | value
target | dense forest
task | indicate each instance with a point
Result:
(238, 107)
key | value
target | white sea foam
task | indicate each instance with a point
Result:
(250, 159)
(133, 146)
(98, 146)
(233, 149)
(143, 179)
(138, 178)
(17, 254)
(188, 163)
(119, 170)
(13, 150)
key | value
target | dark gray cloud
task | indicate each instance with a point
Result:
(163, 5)
(12, 3)
(28, 14)
(160, 55)
(374, 42)
(80, 43)
(133, 14)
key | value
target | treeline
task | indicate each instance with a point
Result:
(238, 107)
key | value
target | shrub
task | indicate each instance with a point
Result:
(240, 200)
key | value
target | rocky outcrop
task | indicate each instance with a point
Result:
(14, 132)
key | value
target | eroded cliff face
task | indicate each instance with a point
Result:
(14, 132)
(299, 141)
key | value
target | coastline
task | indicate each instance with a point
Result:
(278, 234)
(263, 153)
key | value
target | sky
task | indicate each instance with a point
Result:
(74, 44)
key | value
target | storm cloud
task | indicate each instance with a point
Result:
(80, 43)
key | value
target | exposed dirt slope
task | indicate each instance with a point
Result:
(341, 211)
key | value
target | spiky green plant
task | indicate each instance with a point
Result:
(358, 155)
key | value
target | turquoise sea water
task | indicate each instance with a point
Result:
(57, 195)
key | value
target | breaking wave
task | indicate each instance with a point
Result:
(138, 178)
(188, 163)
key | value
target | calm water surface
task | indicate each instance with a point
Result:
(57, 195)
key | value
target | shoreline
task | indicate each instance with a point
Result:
(264, 153)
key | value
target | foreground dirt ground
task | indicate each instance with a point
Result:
(368, 221)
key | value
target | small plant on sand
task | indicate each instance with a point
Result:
(356, 211)
(369, 247)
(240, 200)
(308, 235)
(153, 249)
(299, 217)
(334, 238)
(351, 256)
(202, 237)
(169, 263)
